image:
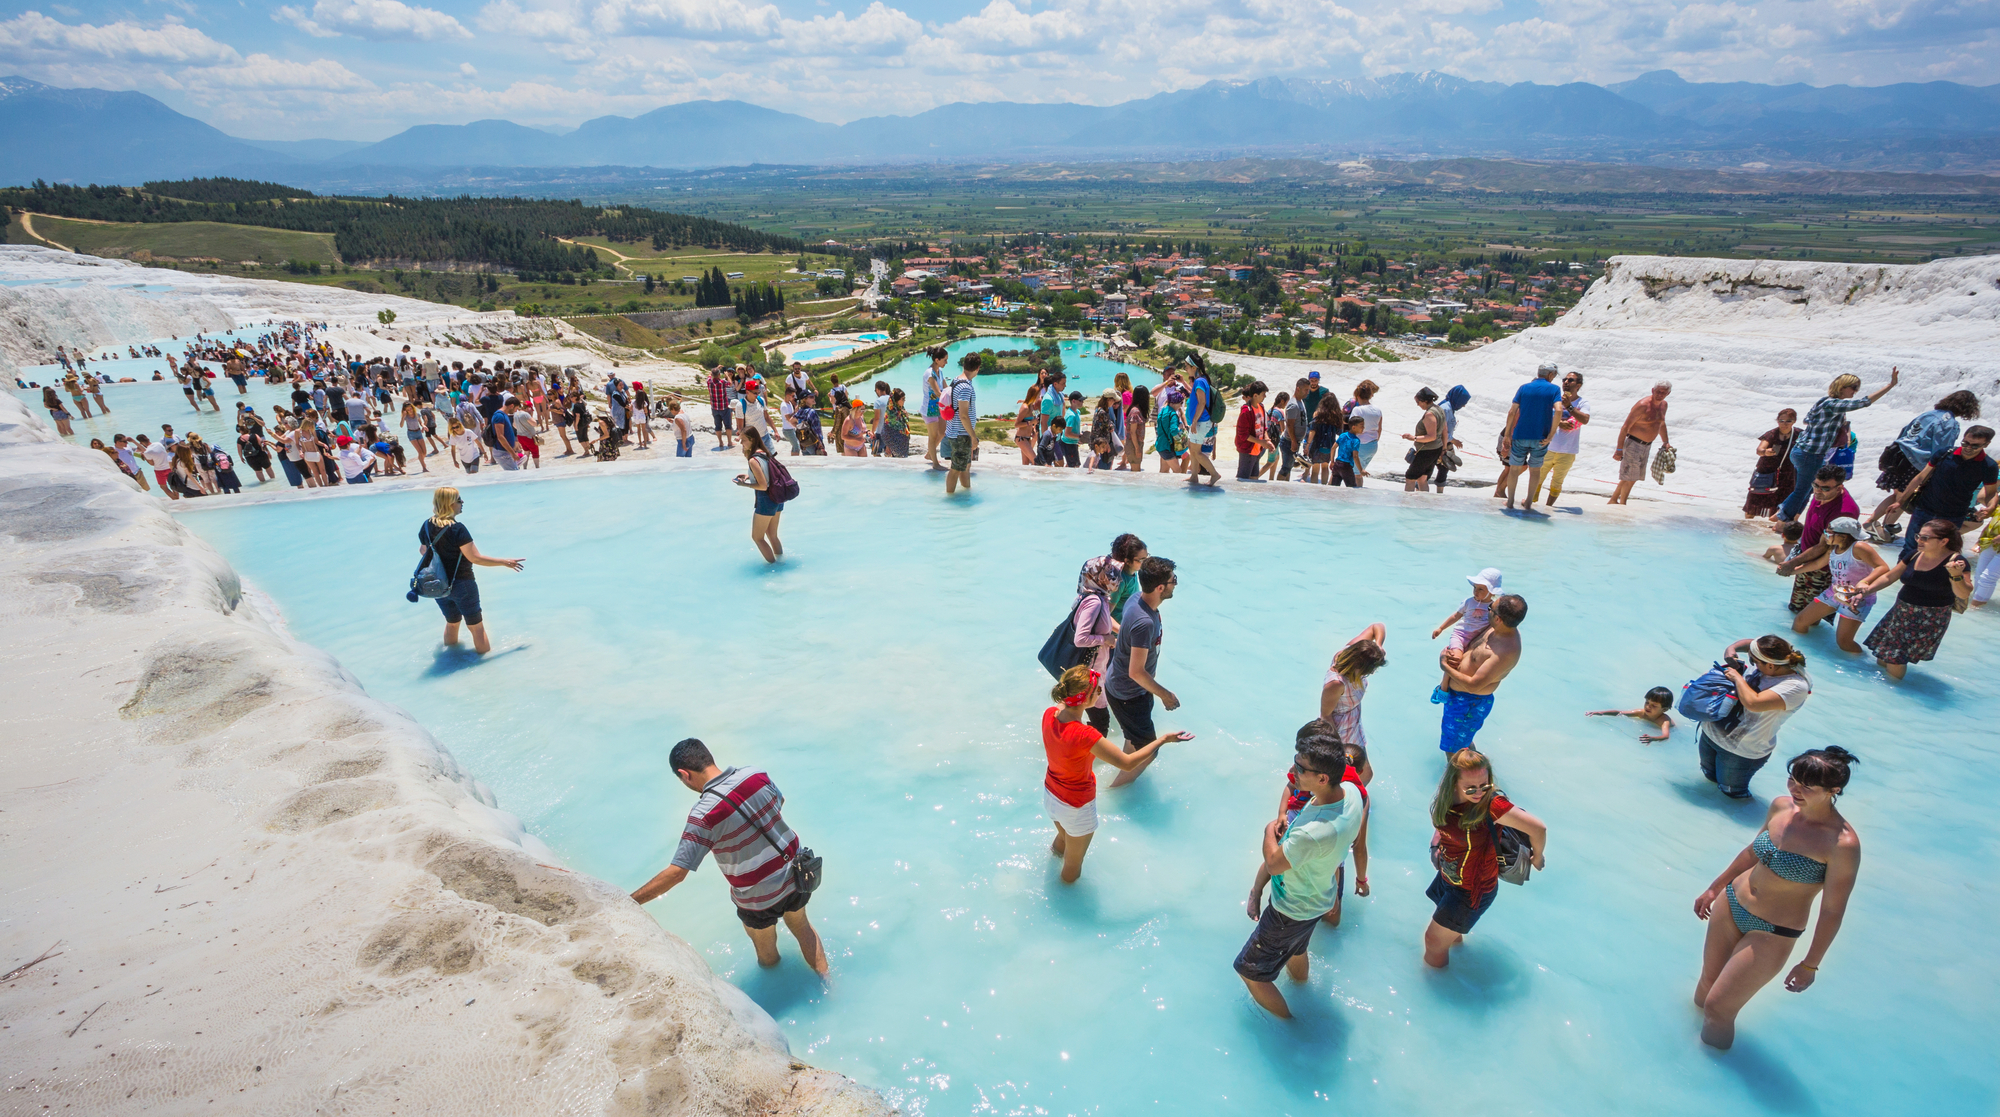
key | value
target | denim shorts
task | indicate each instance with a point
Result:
(462, 603)
(1456, 909)
(1528, 452)
(768, 507)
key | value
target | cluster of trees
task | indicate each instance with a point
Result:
(712, 289)
(755, 300)
(223, 190)
(519, 233)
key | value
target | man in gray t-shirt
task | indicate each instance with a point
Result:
(1131, 688)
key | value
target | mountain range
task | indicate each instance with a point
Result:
(86, 135)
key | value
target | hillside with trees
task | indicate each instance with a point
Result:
(519, 233)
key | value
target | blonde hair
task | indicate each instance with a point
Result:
(1074, 683)
(1464, 760)
(1359, 660)
(1844, 381)
(444, 506)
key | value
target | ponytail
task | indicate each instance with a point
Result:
(1073, 687)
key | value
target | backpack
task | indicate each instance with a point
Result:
(1060, 653)
(1711, 698)
(430, 579)
(1216, 408)
(780, 485)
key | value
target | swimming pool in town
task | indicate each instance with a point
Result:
(885, 676)
(1084, 362)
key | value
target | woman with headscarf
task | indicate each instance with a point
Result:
(1096, 628)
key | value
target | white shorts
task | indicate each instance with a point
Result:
(1074, 820)
(1202, 430)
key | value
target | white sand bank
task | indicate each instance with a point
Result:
(1739, 339)
(272, 894)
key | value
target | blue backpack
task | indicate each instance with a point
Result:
(1711, 697)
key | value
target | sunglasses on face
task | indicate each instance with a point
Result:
(1477, 790)
(1299, 769)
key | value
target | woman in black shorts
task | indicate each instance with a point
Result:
(1467, 805)
(455, 550)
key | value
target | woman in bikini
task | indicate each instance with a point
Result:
(1804, 849)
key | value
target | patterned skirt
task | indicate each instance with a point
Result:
(1910, 633)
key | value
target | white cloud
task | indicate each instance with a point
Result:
(34, 37)
(468, 69)
(263, 72)
(715, 20)
(379, 20)
(1002, 28)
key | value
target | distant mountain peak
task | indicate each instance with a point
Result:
(14, 85)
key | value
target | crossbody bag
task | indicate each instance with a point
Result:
(805, 868)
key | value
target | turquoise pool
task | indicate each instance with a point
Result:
(1089, 371)
(885, 676)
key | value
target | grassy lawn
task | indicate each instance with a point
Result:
(186, 240)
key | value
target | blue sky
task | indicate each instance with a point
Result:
(364, 69)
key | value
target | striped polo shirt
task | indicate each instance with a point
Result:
(758, 872)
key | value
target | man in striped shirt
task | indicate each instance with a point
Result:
(961, 430)
(738, 819)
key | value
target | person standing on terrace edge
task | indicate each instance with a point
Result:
(1302, 864)
(1074, 745)
(962, 425)
(1647, 420)
(1820, 431)
(1201, 425)
(934, 387)
(739, 817)
(452, 541)
(1567, 439)
(1531, 423)
(718, 408)
(1131, 687)
(1250, 444)
(1805, 849)
(1430, 440)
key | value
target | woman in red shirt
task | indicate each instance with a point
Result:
(1069, 791)
(1467, 805)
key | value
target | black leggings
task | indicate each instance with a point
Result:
(1099, 718)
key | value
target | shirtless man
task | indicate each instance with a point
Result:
(1471, 676)
(1647, 421)
(239, 372)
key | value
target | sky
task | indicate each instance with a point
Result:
(366, 69)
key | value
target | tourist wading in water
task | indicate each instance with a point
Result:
(1471, 676)
(764, 516)
(456, 551)
(1302, 858)
(1468, 806)
(1805, 848)
(739, 817)
(1131, 688)
(1069, 790)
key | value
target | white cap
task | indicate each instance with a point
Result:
(1489, 577)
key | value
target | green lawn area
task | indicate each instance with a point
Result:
(188, 239)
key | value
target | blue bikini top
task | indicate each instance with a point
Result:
(1791, 866)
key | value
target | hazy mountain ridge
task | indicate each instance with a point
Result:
(1659, 119)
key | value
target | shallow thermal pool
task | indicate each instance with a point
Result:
(885, 676)
(1084, 363)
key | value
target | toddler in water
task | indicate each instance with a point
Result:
(1793, 531)
(1477, 612)
(1653, 711)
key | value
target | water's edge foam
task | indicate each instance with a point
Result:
(166, 735)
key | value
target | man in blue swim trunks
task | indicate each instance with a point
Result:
(1471, 676)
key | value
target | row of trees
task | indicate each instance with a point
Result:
(519, 233)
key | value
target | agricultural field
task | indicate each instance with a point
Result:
(182, 240)
(1396, 220)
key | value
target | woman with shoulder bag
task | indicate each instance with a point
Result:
(764, 517)
(450, 541)
(1774, 474)
(1429, 439)
(1466, 813)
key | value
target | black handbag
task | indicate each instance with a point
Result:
(806, 867)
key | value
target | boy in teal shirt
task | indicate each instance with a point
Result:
(1072, 429)
(1345, 447)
